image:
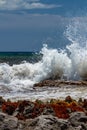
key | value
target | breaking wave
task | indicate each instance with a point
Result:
(69, 63)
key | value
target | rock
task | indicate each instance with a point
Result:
(47, 122)
(68, 99)
(2, 116)
(57, 83)
(8, 122)
(78, 119)
(28, 110)
(83, 119)
(1, 100)
(48, 111)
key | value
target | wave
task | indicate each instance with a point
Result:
(69, 63)
(54, 64)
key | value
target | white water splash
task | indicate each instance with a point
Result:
(54, 64)
(77, 33)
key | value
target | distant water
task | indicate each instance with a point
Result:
(19, 57)
(20, 70)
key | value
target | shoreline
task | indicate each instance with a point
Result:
(58, 83)
(53, 114)
(46, 90)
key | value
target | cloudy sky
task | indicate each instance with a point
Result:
(26, 24)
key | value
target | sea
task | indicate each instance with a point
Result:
(19, 71)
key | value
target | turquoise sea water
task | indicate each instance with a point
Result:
(18, 57)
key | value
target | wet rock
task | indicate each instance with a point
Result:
(58, 83)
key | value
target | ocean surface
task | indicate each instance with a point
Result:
(19, 71)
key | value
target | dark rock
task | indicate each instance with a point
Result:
(28, 109)
(83, 119)
(48, 111)
(84, 126)
(57, 83)
(68, 99)
(1, 100)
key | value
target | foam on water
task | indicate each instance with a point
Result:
(54, 64)
(70, 63)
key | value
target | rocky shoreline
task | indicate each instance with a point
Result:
(58, 83)
(67, 114)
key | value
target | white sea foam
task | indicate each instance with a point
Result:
(54, 64)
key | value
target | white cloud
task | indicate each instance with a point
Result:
(39, 5)
(24, 4)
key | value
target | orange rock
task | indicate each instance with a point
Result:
(9, 107)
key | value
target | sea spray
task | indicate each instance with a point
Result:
(57, 62)
(77, 33)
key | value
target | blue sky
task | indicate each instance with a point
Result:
(26, 24)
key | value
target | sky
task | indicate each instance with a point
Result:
(25, 25)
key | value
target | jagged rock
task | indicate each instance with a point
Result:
(8, 122)
(28, 110)
(48, 111)
(78, 120)
(44, 116)
(47, 122)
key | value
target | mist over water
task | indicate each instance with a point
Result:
(69, 63)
